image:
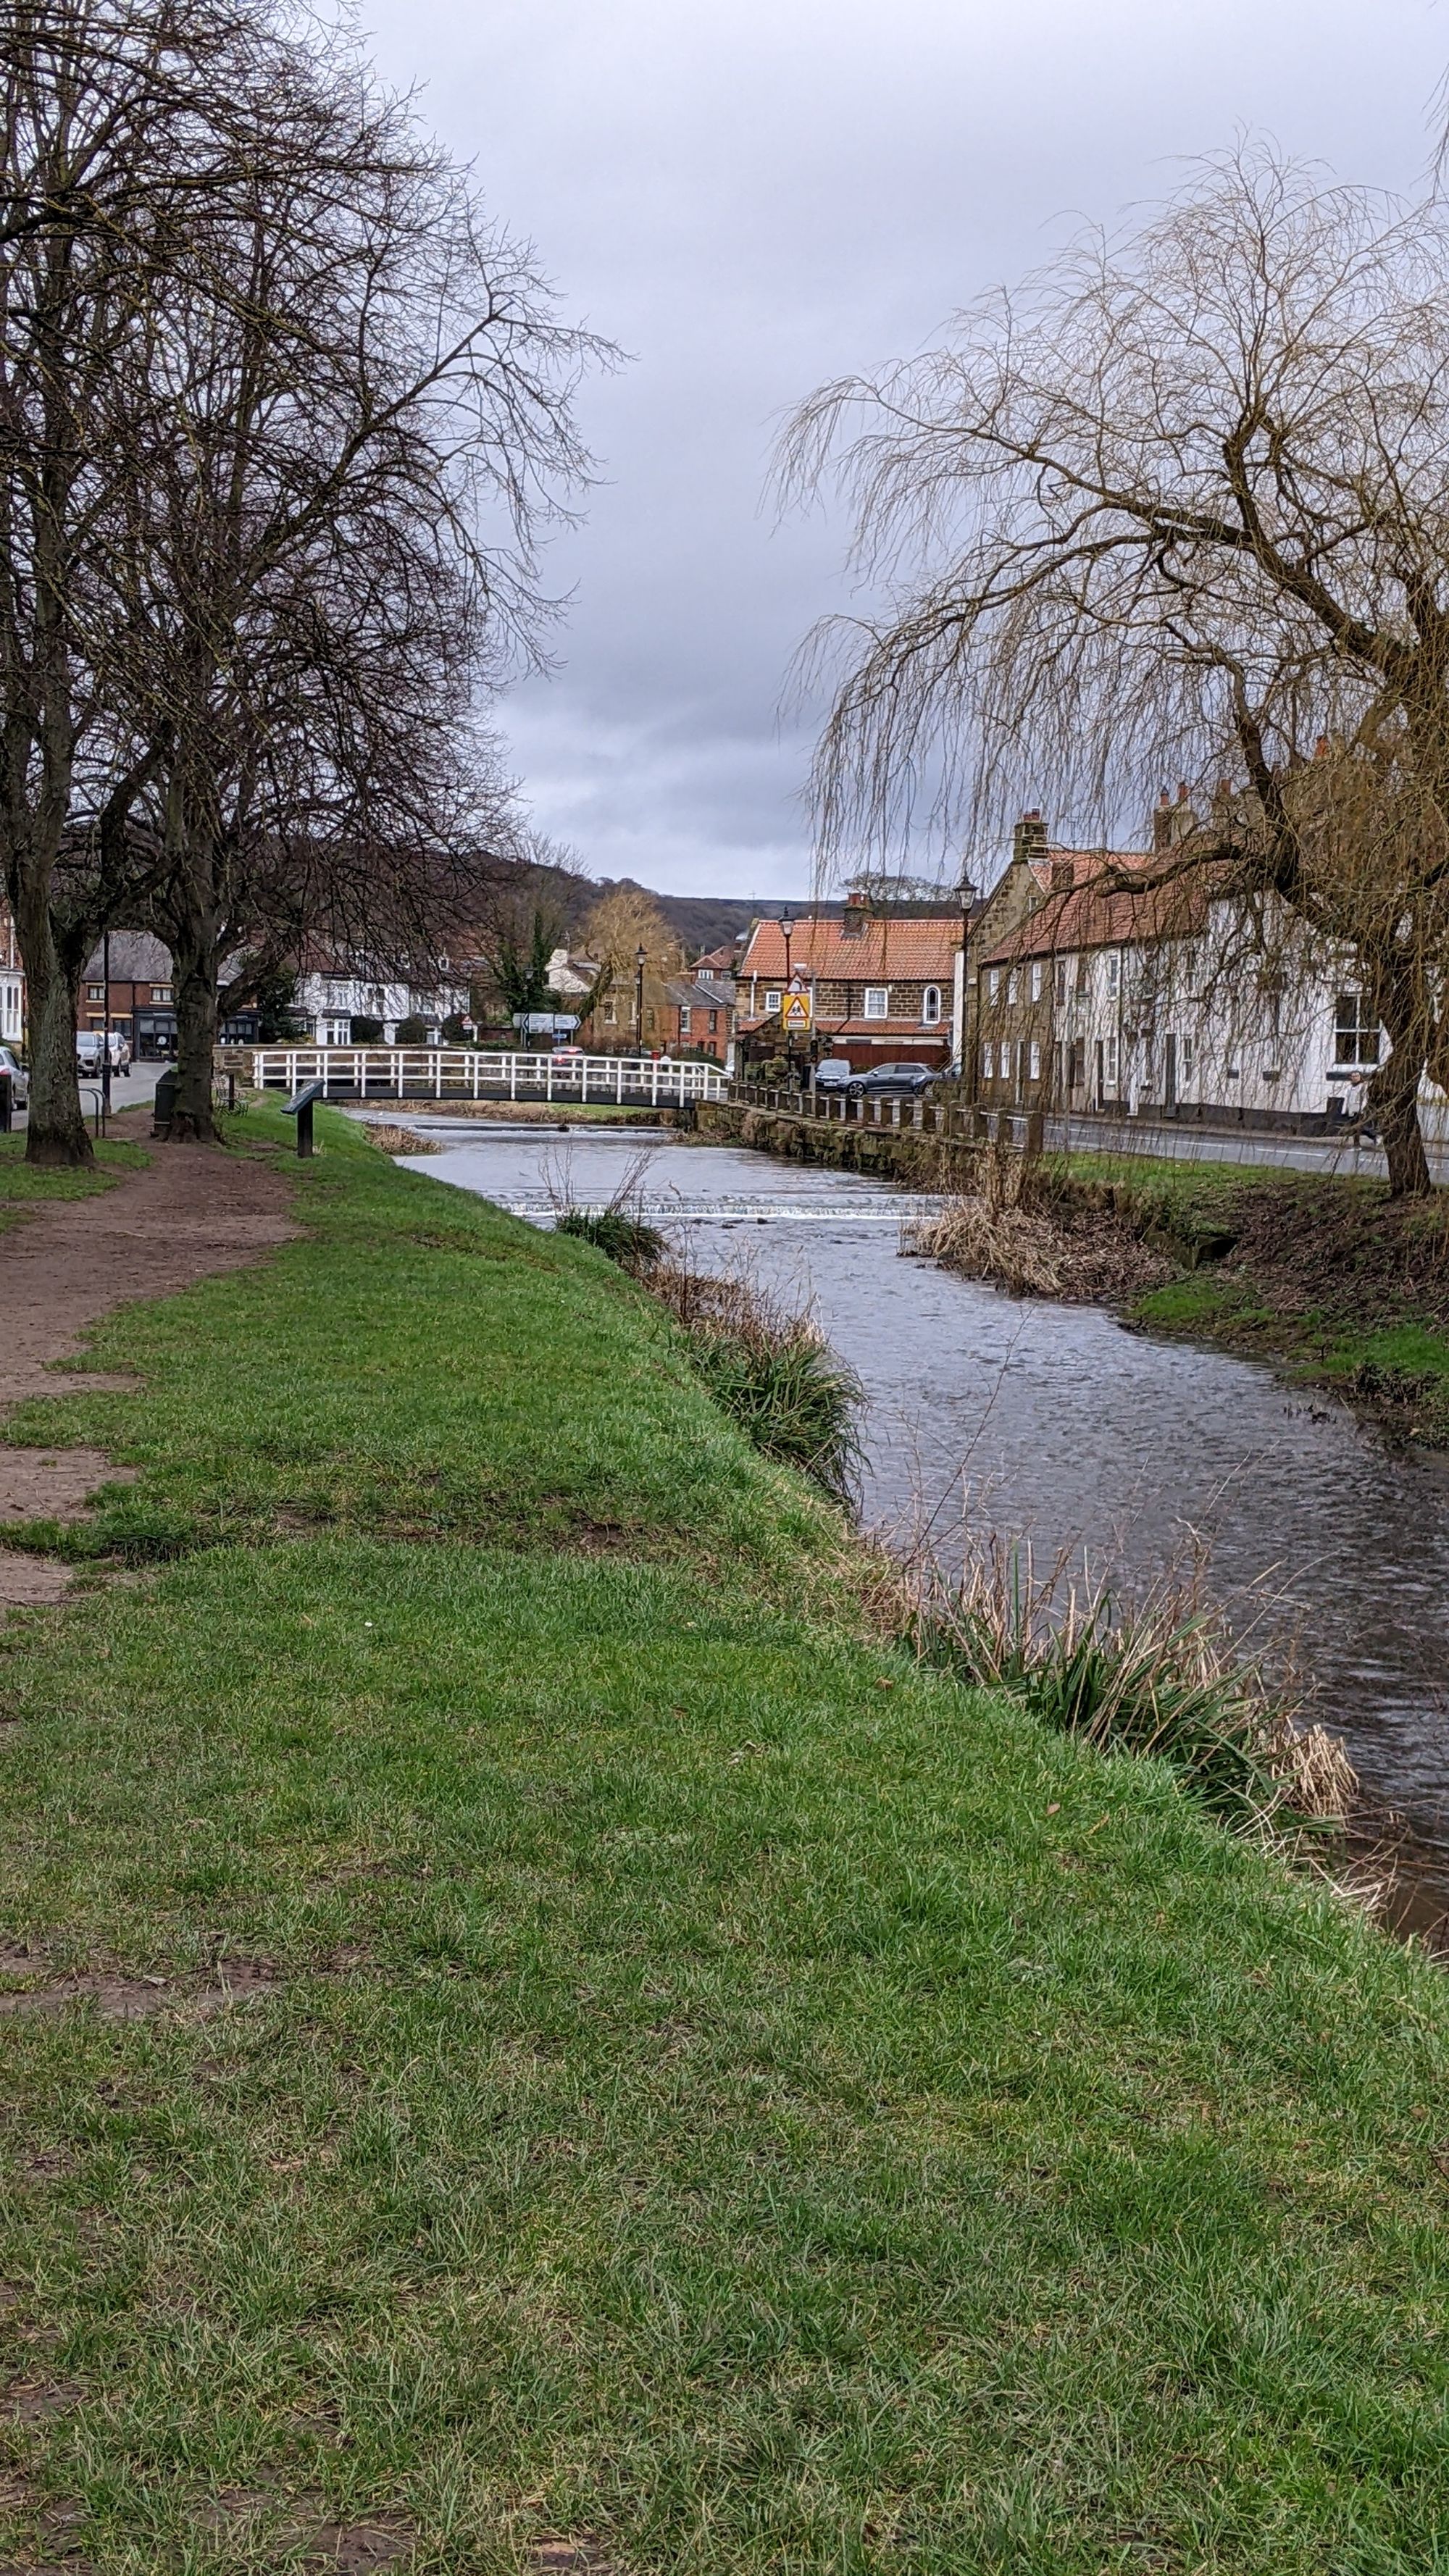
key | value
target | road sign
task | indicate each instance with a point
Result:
(795, 1014)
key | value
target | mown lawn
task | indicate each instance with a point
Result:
(21, 1187)
(692, 2083)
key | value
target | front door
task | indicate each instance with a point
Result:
(1169, 1076)
(1101, 1074)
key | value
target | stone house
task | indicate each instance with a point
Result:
(882, 981)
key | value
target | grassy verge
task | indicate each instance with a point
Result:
(694, 2083)
(22, 1188)
(1324, 1275)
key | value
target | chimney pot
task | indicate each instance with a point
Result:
(1182, 791)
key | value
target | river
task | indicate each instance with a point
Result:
(1057, 1424)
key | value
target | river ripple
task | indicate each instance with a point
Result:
(1058, 1424)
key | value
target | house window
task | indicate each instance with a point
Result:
(684, 1019)
(1355, 1030)
(1013, 986)
(931, 1005)
(339, 1033)
(1081, 975)
(610, 1014)
(993, 982)
(1109, 1063)
(95, 992)
(713, 1022)
(988, 1062)
(772, 1001)
(1077, 1064)
(1035, 1061)
(1059, 979)
(649, 1018)
(1185, 1057)
(160, 993)
(1114, 972)
(1036, 976)
(877, 1002)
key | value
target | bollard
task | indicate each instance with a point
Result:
(6, 1107)
(163, 1107)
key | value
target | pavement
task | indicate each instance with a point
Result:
(133, 1090)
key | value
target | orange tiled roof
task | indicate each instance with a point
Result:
(882, 951)
(1094, 916)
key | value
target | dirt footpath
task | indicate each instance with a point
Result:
(194, 1211)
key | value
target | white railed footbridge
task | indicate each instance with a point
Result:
(477, 1073)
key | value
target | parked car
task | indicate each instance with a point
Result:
(893, 1081)
(833, 1073)
(92, 1046)
(19, 1078)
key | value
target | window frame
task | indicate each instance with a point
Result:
(876, 1002)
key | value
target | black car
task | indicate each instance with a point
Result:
(894, 1081)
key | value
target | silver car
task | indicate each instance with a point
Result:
(19, 1078)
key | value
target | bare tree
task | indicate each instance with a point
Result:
(108, 146)
(1181, 505)
(366, 400)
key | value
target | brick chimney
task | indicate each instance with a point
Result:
(852, 919)
(1162, 823)
(1029, 840)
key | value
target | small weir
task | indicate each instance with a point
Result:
(1058, 1425)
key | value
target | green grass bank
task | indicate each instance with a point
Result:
(633, 2060)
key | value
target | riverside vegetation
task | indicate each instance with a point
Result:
(1326, 1276)
(539, 2028)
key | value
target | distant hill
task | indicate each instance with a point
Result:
(567, 897)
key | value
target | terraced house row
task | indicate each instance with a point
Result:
(1159, 997)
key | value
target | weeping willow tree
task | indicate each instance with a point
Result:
(1178, 506)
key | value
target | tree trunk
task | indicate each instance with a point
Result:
(1393, 1099)
(194, 981)
(56, 1137)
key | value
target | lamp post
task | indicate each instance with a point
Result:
(966, 896)
(639, 994)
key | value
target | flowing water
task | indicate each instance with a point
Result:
(1057, 1424)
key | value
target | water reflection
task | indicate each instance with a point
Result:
(1066, 1427)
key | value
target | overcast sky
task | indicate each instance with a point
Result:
(753, 195)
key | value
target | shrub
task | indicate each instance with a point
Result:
(412, 1032)
(365, 1031)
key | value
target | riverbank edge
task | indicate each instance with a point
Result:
(914, 2018)
(1397, 1378)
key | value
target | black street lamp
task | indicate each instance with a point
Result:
(639, 993)
(106, 1035)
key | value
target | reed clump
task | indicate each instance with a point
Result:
(392, 1139)
(621, 1233)
(996, 1232)
(771, 1368)
(1164, 1676)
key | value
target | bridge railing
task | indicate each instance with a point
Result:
(478, 1073)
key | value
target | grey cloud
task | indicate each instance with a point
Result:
(751, 195)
